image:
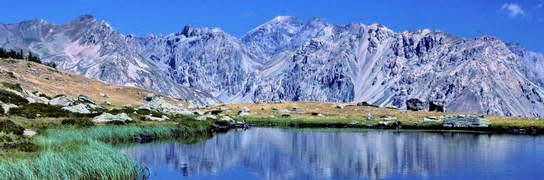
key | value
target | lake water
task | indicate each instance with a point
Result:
(272, 153)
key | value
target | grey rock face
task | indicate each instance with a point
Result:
(294, 60)
(80, 108)
(92, 48)
(159, 104)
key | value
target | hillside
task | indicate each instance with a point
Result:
(52, 82)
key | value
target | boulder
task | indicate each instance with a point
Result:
(29, 133)
(104, 95)
(284, 111)
(126, 106)
(415, 104)
(245, 109)
(7, 107)
(242, 114)
(159, 104)
(339, 107)
(369, 116)
(107, 117)
(83, 99)
(226, 118)
(465, 121)
(206, 117)
(106, 103)
(317, 114)
(437, 107)
(431, 119)
(274, 108)
(390, 118)
(296, 108)
(152, 118)
(80, 108)
(61, 101)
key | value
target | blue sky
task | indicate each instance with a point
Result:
(511, 20)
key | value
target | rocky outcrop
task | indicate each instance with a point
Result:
(159, 104)
(107, 117)
(61, 101)
(465, 121)
(79, 108)
(415, 105)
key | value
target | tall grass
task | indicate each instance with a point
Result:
(88, 154)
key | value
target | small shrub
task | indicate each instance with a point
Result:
(12, 98)
(116, 123)
(59, 95)
(148, 112)
(35, 110)
(214, 112)
(182, 118)
(129, 110)
(364, 103)
(25, 146)
(16, 87)
(222, 123)
(8, 126)
(2, 111)
(79, 122)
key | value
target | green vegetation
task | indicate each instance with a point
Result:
(34, 110)
(8, 126)
(78, 122)
(69, 153)
(12, 98)
(16, 87)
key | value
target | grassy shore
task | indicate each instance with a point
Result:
(318, 114)
(87, 153)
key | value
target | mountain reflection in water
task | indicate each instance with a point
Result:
(271, 153)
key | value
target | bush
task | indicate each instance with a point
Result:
(182, 118)
(8, 126)
(12, 98)
(79, 122)
(35, 110)
(148, 112)
(129, 110)
(116, 123)
(364, 103)
(1, 110)
(16, 87)
(25, 146)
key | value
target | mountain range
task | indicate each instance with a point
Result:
(296, 60)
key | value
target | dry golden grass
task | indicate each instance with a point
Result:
(352, 112)
(37, 77)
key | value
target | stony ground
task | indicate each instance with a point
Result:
(331, 112)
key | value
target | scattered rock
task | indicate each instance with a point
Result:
(369, 116)
(152, 118)
(61, 101)
(107, 117)
(390, 118)
(206, 117)
(274, 108)
(105, 95)
(339, 107)
(465, 121)
(431, 119)
(284, 111)
(105, 103)
(126, 106)
(80, 108)
(29, 133)
(317, 114)
(241, 113)
(226, 118)
(296, 108)
(245, 109)
(415, 104)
